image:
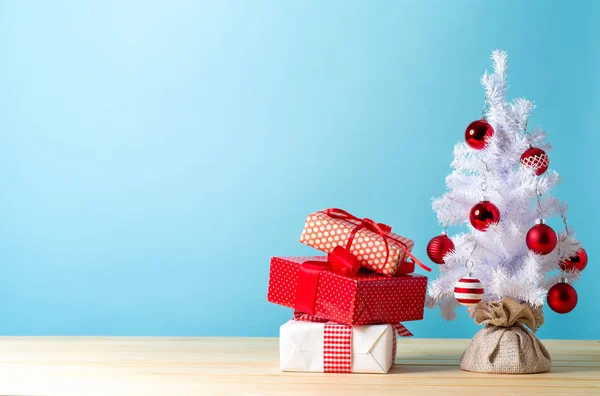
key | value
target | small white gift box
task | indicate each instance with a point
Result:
(334, 347)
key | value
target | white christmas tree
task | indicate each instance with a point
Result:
(498, 256)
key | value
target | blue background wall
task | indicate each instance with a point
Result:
(154, 155)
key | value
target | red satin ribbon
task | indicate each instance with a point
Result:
(340, 260)
(382, 229)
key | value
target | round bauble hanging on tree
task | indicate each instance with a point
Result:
(468, 291)
(541, 238)
(578, 262)
(438, 247)
(562, 298)
(484, 214)
(536, 159)
(477, 134)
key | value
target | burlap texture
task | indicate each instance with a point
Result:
(505, 345)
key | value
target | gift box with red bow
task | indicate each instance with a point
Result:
(332, 288)
(373, 244)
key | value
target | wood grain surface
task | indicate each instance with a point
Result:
(249, 366)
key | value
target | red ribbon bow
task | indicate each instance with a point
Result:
(339, 260)
(382, 229)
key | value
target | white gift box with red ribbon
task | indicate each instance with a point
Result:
(331, 347)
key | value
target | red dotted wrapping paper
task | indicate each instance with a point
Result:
(325, 233)
(356, 301)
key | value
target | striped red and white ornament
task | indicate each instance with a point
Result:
(468, 291)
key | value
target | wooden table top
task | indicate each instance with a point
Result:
(249, 366)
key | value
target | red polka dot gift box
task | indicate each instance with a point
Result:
(374, 244)
(308, 285)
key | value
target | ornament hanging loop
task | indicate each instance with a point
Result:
(487, 167)
(563, 216)
(484, 185)
(526, 132)
(486, 104)
(539, 202)
(470, 265)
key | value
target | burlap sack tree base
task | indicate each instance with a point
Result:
(505, 345)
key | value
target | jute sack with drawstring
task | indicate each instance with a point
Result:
(505, 345)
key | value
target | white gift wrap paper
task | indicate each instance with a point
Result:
(301, 347)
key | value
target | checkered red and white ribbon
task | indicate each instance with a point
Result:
(302, 317)
(399, 331)
(337, 343)
(337, 348)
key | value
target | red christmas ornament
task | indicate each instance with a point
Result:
(541, 238)
(438, 247)
(562, 298)
(483, 214)
(477, 134)
(536, 159)
(575, 263)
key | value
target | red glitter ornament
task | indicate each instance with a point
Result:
(484, 214)
(477, 134)
(536, 159)
(576, 263)
(562, 298)
(541, 238)
(438, 247)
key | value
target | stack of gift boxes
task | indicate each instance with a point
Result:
(349, 304)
